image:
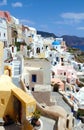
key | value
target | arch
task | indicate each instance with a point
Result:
(8, 70)
(37, 50)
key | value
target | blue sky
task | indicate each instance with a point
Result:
(61, 17)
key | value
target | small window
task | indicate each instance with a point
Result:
(33, 78)
(57, 58)
(38, 50)
(46, 47)
(64, 73)
(62, 59)
(62, 64)
(67, 123)
(12, 49)
(4, 34)
(2, 101)
(50, 55)
(32, 88)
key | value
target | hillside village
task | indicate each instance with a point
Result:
(41, 65)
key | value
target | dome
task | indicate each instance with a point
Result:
(56, 43)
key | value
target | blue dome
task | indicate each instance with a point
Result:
(56, 43)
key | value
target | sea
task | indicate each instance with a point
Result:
(80, 47)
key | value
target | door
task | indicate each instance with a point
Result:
(17, 109)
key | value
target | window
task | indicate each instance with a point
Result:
(12, 49)
(4, 34)
(46, 47)
(50, 55)
(55, 63)
(38, 50)
(64, 73)
(32, 88)
(67, 123)
(62, 60)
(2, 101)
(57, 58)
(5, 43)
(33, 78)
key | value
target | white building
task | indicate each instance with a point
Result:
(15, 62)
(3, 31)
(54, 57)
(56, 45)
(79, 98)
(36, 71)
(14, 20)
(38, 45)
(32, 31)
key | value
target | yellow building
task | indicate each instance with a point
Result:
(15, 103)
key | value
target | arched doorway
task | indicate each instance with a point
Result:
(8, 70)
(38, 50)
(17, 109)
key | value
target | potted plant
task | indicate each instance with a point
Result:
(35, 119)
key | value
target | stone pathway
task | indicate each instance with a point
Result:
(60, 101)
(10, 127)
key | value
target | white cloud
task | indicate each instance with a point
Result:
(3, 2)
(70, 18)
(17, 4)
(26, 21)
(67, 22)
(80, 28)
(75, 16)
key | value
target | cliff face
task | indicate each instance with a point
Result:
(70, 40)
(73, 40)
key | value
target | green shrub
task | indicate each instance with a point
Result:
(36, 114)
(80, 112)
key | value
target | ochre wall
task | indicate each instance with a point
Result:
(6, 103)
(27, 126)
(30, 108)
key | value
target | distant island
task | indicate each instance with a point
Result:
(72, 41)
